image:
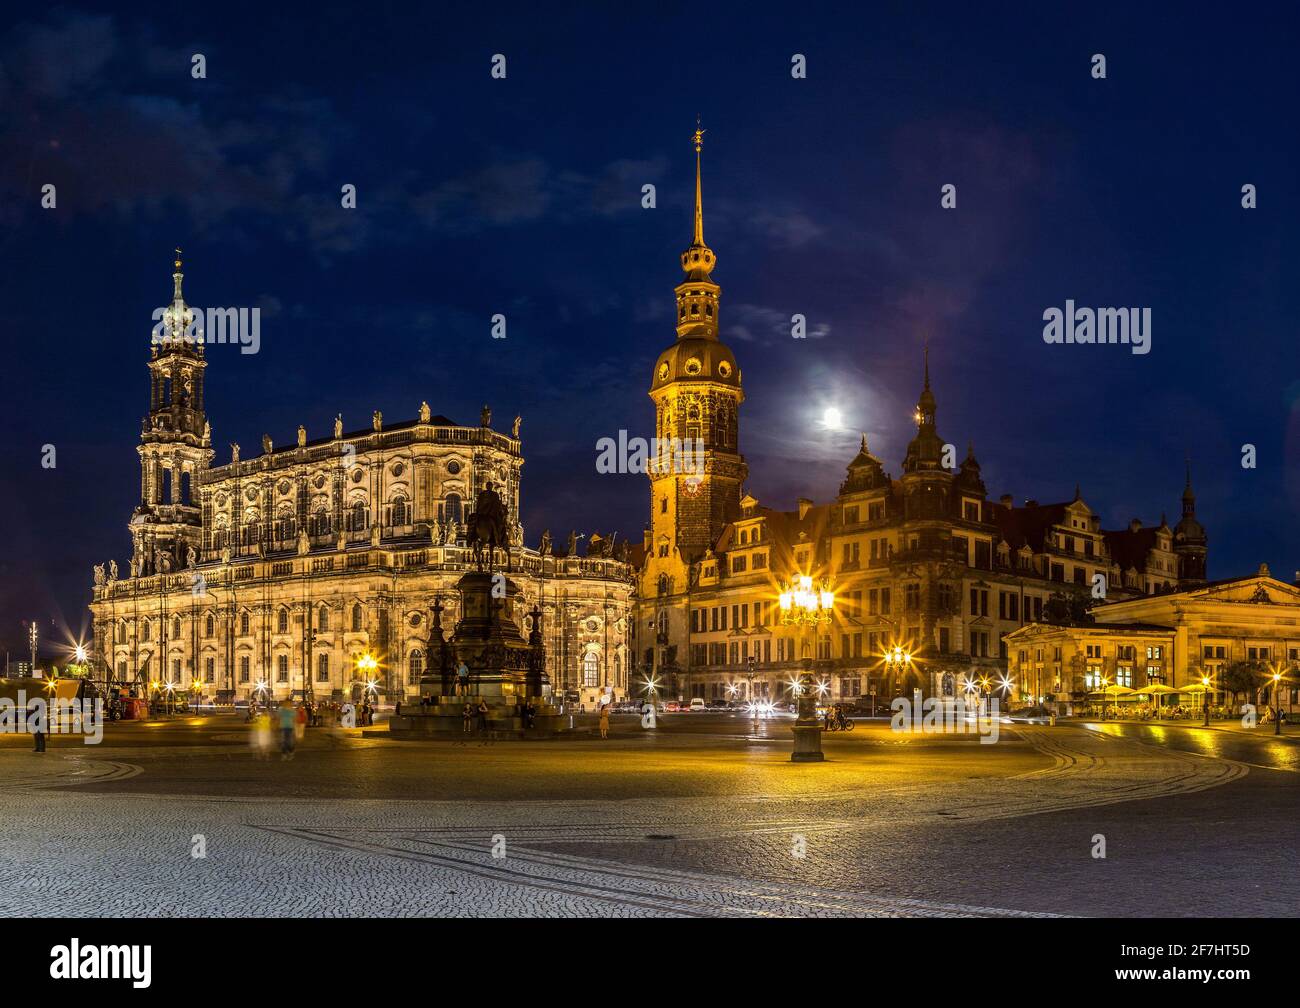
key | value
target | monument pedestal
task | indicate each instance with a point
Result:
(504, 671)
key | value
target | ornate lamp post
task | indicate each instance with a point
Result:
(1205, 700)
(806, 608)
(1277, 703)
(896, 662)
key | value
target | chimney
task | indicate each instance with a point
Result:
(804, 505)
(1007, 500)
(1135, 524)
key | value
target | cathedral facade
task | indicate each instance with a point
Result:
(311, 568)
(928, 574)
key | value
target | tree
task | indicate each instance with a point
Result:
(1244, 677)
(1067, 608)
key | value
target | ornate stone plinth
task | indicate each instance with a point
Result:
(503, 669)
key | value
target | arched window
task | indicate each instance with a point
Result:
(359, 516)
(284, 523)
(452, 509)
(243, 623)
(320, 522)
(356, 618)
(176, 628)
(416, 665)
(324, 622)
(146, 631)
(282, 621)
(591, 669)
(209, 625)
(400, 511)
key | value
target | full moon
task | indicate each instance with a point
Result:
(831, 418)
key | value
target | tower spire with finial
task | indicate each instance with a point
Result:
(698, 139)
(177, 277)
(697, 297)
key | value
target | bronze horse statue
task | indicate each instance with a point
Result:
(486, 528)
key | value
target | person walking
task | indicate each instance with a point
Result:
(288, 725)
(36, 722)
(483, 721)
(466, 724)
(300, 724)
(604, 720)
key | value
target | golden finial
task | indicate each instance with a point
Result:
(178, 258)
(698, 136)
(699, 198)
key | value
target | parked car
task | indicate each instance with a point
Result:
(697, 703)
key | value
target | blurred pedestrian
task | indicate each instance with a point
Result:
(462, 680)
(604, 720)
(483, 720)
(300, 723)
(36, 723)
(466, 724)
(261, 735)
(288, 727)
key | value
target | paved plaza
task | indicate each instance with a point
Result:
(704, 815)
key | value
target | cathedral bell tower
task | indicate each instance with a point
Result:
(696, 469)
(175, 442)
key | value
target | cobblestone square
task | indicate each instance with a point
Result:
(704, 816)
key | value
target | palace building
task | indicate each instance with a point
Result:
(312, 567)
(1174, 640)
(921, 565)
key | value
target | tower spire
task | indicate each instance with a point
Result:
(177, 277)
(697, 296)
(698, 139)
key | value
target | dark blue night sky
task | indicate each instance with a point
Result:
(522, 197)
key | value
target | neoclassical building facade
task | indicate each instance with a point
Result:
(923, 562)
(287, 572)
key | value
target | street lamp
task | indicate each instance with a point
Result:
(366, 664)
(896, 661)
(1277, 704)
(803, 606)
(1205, 700)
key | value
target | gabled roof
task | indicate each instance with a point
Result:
(1130, 547)
(1021, 526)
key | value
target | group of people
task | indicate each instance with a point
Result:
(469, 717)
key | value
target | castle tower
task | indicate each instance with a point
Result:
(1190, 540)
(175, 441)
(696, 389)
(925, 481)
